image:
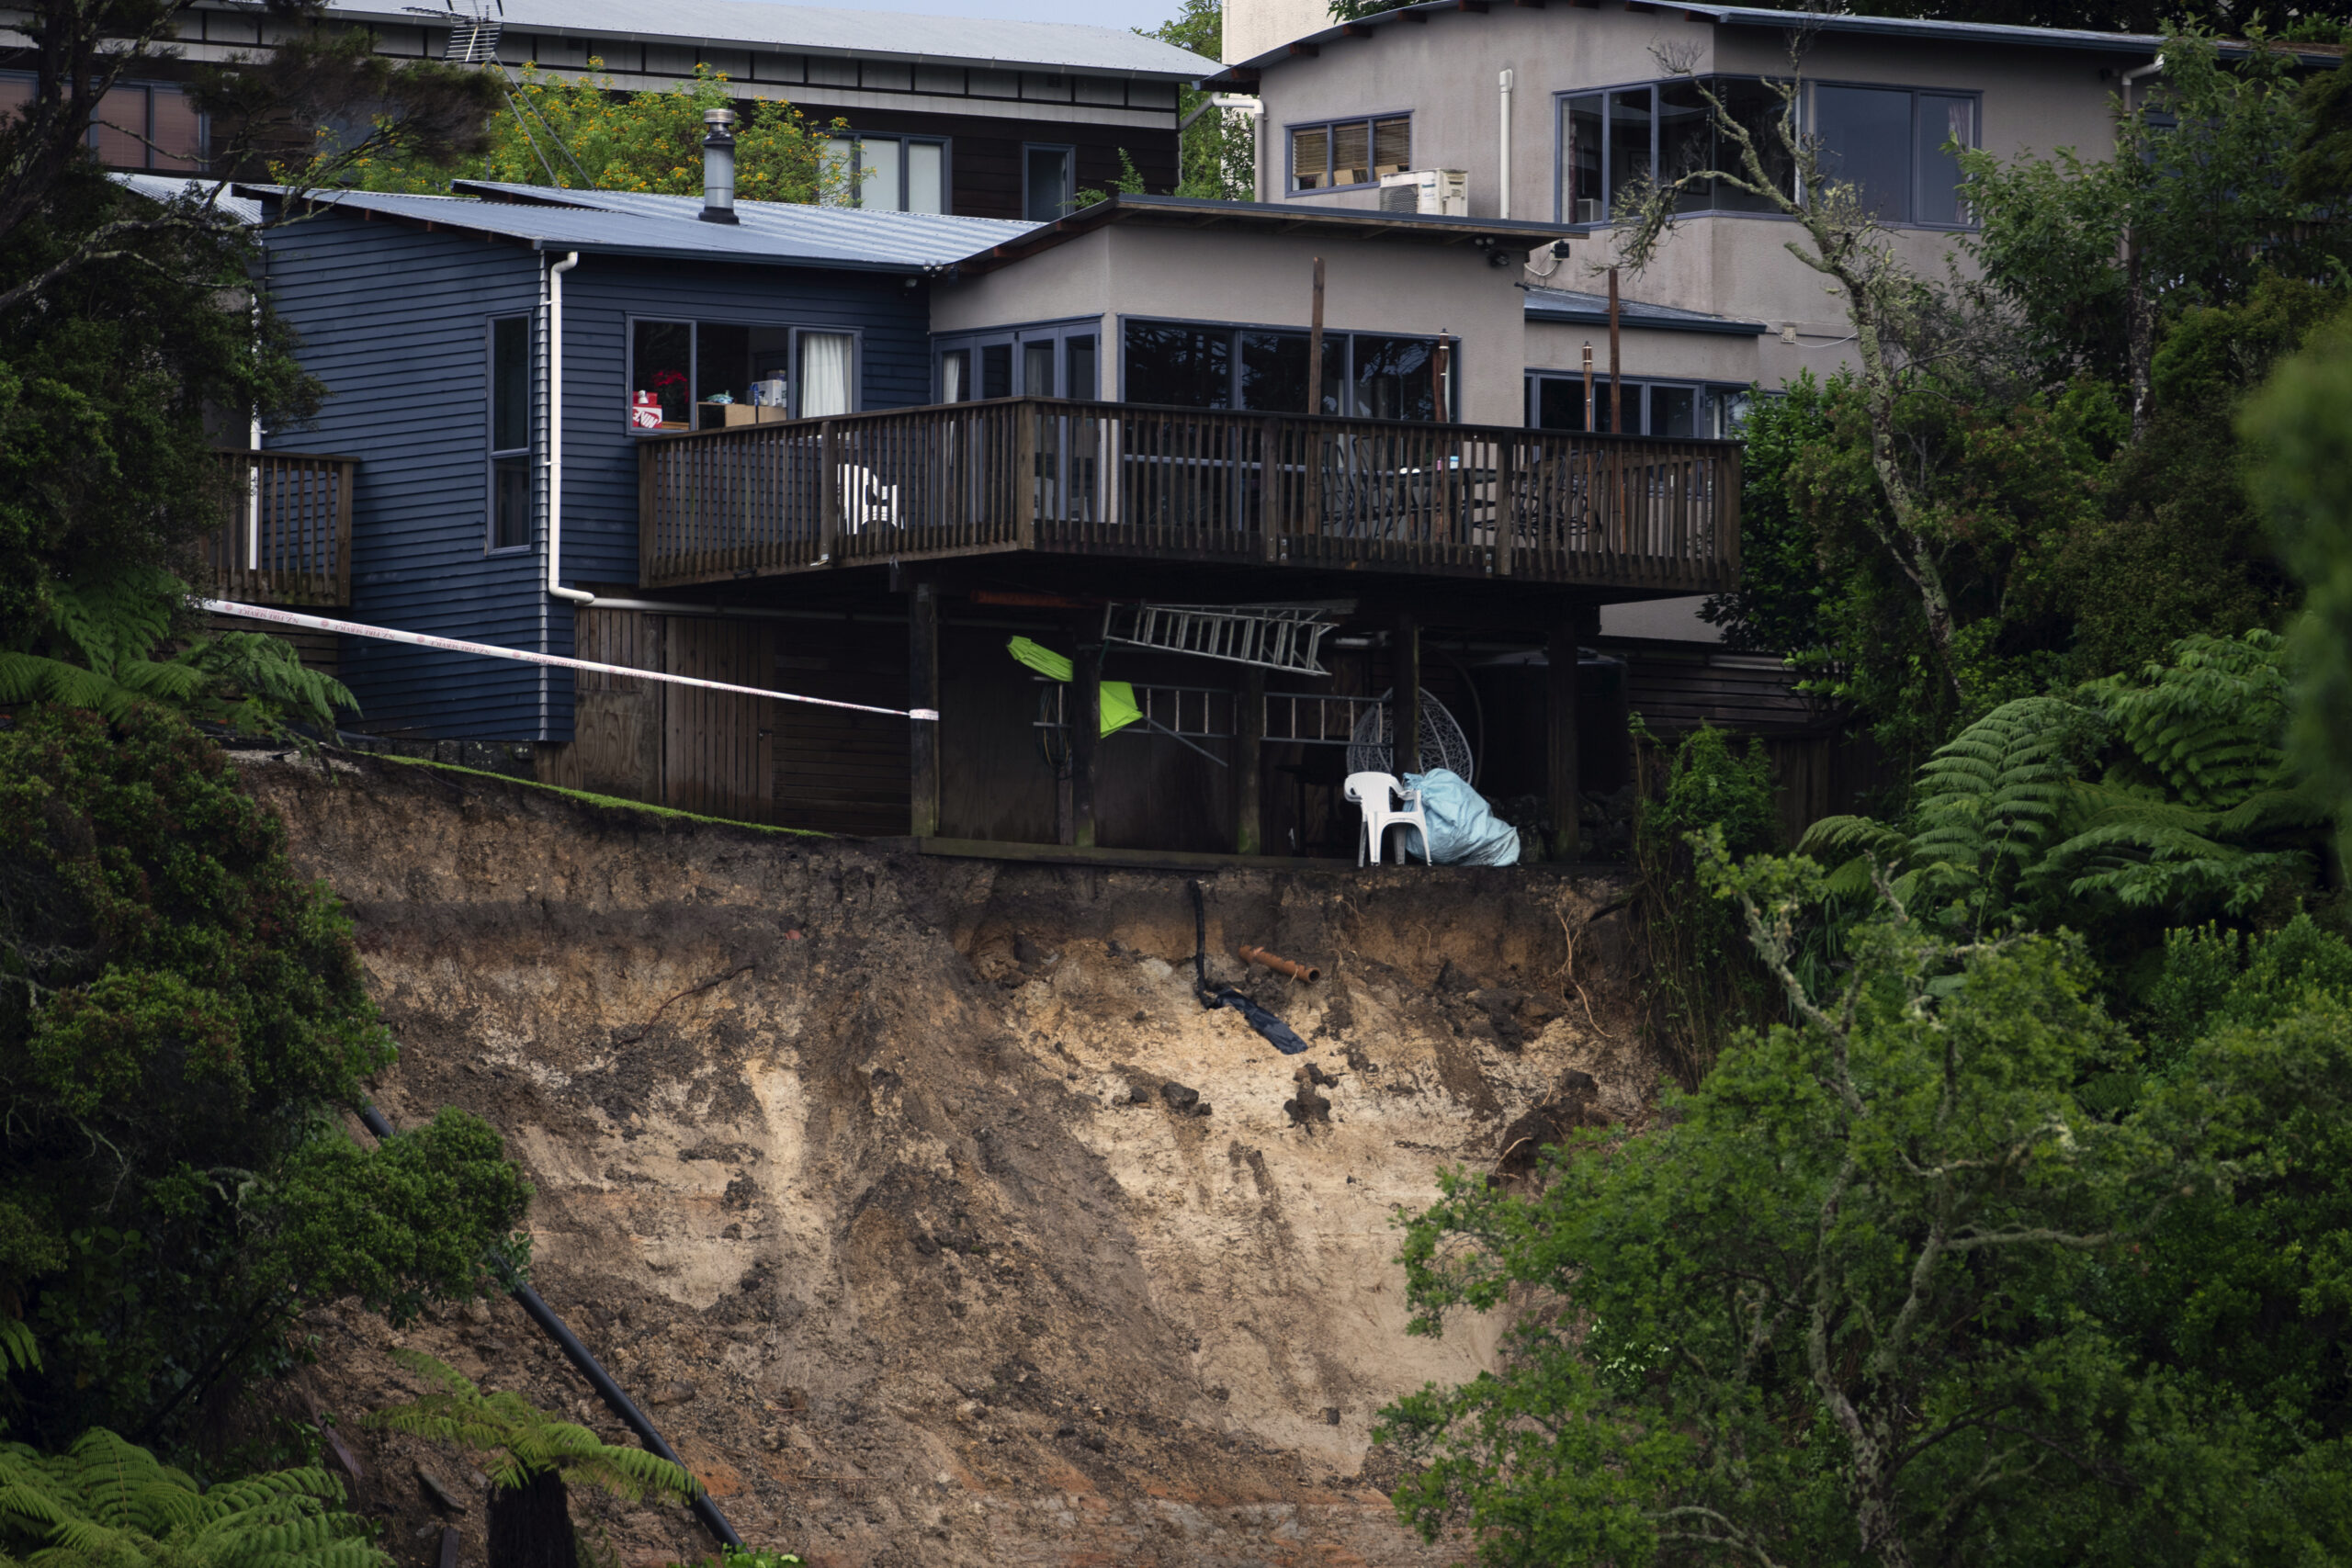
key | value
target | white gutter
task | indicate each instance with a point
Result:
(2134, 74)
(555, 434)
(1502, 209)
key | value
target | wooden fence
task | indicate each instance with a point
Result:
(289, 537)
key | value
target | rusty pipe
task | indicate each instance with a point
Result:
(1280, 964)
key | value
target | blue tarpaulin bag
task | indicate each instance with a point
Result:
(1463, 829)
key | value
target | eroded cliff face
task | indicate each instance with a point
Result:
(919, 1200)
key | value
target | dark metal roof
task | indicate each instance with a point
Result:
(1510, 234)
(1579, 308)
(627, 223)
(813, 29)
(1920, 30)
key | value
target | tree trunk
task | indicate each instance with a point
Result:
(2140, 334)
(530, 1525)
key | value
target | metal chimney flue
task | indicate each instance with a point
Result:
(719, 168)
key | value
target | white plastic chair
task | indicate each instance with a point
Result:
(1385, 804)
(865, 499)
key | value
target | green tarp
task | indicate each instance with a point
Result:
(1119, 709)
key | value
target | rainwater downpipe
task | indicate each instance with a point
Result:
(555, 434)
(2134, 74)
(1502, 205)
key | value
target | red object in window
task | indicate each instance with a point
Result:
(645, 413)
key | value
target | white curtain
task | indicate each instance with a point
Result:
(954, 367)
(826, 359)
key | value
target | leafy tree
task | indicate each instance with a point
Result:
(1129, 182)
(1218, 158)
(581, 133)
(2302, 425)
(1702, 987)
(107, 1501)
(181, 1021)
(532, 1461)
(1779, 601)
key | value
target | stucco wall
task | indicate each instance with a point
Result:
(1445, 73)
(1258, 279)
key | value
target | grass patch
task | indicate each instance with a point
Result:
(611, 802)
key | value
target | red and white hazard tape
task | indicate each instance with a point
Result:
(454, 644)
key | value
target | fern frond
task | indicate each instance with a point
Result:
(2210, 724)
(1853, 835)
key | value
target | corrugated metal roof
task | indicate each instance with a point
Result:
(170, 187)
(811, 29)
(623, 223)
(1592, 309)
(1758, 17)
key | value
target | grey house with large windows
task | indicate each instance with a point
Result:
(1551, 113)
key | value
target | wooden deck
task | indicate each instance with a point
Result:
(1112, 480)
(289, 540)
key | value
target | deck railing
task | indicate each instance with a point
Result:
(288, 538)
(1116, 479)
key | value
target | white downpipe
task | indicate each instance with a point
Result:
(1503, 205)
(555, 434)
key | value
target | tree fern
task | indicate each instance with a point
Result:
(107, 1500)
(2210, 725)
(521, 1442)
(92, 647)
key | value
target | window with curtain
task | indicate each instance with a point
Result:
(510, 432)
(891, 174)
(138, 125)
(956, 376)
(1191, 365)
(827, 370)
(690, 375)
(1346, 153)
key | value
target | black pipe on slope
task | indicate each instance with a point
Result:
(615, 1398)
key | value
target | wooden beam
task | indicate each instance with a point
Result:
(1405, 699)
(1562, 760)
(1085, 734)
(922, 692)
(1357, 29)
(1308, 49)
(1477, 6)
(1249, 765)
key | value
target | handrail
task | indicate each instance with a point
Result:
(1066, 476)
(287, 540)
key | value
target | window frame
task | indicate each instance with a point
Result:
(1976, 96)
(1291, 187)
(1070, 189)
(1713, 396)
(903, 139)
(1060, 332)
(1806, 121)
(694, 355)
(1347, 376)
(494, 456)
(153, 161)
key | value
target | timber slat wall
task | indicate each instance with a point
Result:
(1112, 478)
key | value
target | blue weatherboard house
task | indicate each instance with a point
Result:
(491, 358)
(1244, 460)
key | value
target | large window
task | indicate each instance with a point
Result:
(892, 174)
(1609, 141)
(138, 125)
(1889, 142)
(703, 375)
(1191, 364)
(1048, 182)
(1049, 359)
(1339, 154)
(510, 432)
(1652, 408)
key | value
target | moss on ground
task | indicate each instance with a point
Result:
(612, 801)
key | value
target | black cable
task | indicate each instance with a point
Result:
(615, 1398)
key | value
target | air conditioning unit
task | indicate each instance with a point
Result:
(1440, 193)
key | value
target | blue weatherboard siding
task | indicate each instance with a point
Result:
(600, 296)
(393, 321)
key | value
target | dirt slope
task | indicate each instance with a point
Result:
(878, 1176)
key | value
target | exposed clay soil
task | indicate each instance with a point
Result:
(879, 1179)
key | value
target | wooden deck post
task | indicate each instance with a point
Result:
(1249, 765)
(1561, 758)
(922, 692)
(1405, 700)
(1085, 736)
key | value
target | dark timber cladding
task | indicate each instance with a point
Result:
(394, 319)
